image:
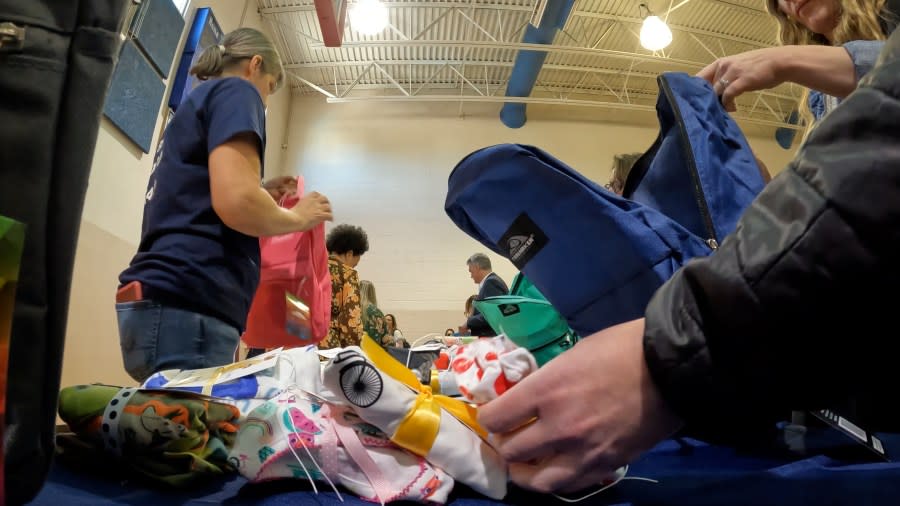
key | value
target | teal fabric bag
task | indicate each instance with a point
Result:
(529, 320)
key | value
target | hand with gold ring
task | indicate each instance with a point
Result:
(735, 75)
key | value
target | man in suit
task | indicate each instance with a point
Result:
(489, 285)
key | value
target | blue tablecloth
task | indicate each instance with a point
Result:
(688, 473)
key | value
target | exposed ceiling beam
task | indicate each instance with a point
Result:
(679, 28)
(505, 64)
(528, 9)
(516, 46)
(533, 100)
(441, 5)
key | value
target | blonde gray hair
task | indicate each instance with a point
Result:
(241, 44)
(367, 294)
(622, 165)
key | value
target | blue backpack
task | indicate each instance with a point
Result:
(596, 256)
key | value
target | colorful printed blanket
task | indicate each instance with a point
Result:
(169, 437)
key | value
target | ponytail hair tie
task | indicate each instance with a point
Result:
(222, 48)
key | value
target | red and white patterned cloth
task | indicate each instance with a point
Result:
(486, 368)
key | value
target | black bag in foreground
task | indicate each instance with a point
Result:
(56, 59)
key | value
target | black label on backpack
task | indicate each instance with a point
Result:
(508, 309)
(522, 241)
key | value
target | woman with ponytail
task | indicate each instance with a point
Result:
(183, 301)
(827, 46)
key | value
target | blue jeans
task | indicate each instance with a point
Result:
(154, 337)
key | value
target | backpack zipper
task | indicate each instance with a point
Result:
(712, 241)
(12, 36)
(566, 340)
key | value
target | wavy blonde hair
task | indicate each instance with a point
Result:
(622, 165)
(858, 20)
(367, 295)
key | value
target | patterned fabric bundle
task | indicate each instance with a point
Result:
(387, 395)
(486, 368)
(294, 436)
(269, 375)
(170, 437)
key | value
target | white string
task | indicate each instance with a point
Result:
(314, 463)
(294, 388)
(311, 481)
(613, 484)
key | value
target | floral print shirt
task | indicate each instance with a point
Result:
(373, 323)
(346, 315)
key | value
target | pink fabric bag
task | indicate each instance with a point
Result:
(292, 305)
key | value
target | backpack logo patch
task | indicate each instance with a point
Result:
(523, 240)
(508, 309)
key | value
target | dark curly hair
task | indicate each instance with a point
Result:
(347, 238)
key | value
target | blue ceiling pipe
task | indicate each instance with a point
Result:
(528, 62)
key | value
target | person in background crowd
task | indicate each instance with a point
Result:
(390, 322)
(346, 245)
(182, 303)
(622, 165)
(372, 317)
(489, 285)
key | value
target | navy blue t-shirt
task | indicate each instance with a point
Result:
(188, 257)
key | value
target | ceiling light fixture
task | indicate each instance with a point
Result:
(655, 33)
(368, 17)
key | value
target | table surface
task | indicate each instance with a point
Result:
(687, 472)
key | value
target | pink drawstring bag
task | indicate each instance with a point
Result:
(292, 305)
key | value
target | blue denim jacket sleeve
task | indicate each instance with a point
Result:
(863, 53)
(816, 102)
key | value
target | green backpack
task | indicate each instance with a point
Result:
(529, 320)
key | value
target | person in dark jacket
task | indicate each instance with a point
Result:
(790, 313)
(489, 285)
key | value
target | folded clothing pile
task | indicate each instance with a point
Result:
(389, 396)
(481, 370)
(250, 383)
(299, 436)
(173, 437)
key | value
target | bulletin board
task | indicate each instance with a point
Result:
(135, 94)
(156, 28)
(138, 82)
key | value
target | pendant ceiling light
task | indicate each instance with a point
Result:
(368, 17)
(655, 33)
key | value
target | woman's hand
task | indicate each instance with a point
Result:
(576, 420)
(280, 186)
(312, 209)
(755, 70)
(827, 69)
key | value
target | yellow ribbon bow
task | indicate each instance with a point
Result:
(419, 428)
